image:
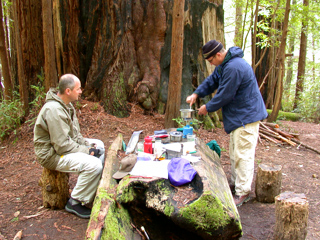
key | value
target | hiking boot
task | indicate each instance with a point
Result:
(73, 206)
(239, 200)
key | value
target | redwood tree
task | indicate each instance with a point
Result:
(8, 85)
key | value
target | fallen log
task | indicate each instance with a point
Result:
(202, 209)
(105, 193)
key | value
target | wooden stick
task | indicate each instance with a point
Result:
(287, 135)
(269, 138)
(305, 145)
(278, 137)
(273, 125)
(268, 129)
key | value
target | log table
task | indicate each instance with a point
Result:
(135, 208)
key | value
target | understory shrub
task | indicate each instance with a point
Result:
(11, 113)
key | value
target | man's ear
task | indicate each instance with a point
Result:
(68, 91)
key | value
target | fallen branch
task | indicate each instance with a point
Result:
(35, 215)
(277, 136)
(18, 236)
(270, 139)
(287, 135)
(305, 145)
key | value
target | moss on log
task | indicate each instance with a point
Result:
(202, 209)
(286, 115)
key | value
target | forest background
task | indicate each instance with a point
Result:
(41, 40)
(126, 53)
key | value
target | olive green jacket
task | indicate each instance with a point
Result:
(57, 131)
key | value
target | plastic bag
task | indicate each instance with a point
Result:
(180, 171)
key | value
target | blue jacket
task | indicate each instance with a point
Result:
(237, 92)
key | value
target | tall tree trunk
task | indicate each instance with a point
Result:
(174, 88)
(302, 56)
(238, 33)
(50, 66)
(21, 76)
(8, 85)
(290, 59)
(280, 64)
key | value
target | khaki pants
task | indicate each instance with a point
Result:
(89, 169)
(243, 142)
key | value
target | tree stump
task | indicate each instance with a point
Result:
(55, 188)
(291, 216)
(268, 183)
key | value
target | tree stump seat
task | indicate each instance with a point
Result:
(268, 183)
(292, 211)
(54, 188)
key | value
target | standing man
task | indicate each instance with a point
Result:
(60, 146)
(242, 108)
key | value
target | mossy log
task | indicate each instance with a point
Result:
(286, 115)
(202, 209)
(104, 205)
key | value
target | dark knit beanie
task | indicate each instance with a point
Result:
(211, 48)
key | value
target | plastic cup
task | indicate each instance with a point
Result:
(191, 137)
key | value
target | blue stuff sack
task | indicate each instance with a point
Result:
(180, 171)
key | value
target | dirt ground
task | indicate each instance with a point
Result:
(21, 200)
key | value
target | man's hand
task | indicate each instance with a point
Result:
(192, 99)
(203, 110)
(94, 152)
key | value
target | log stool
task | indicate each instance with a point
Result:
(292, 211)
(55, 188)
(268, 183)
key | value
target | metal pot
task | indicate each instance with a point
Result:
(187, 113)
(175, 136)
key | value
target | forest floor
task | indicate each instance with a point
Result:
(21, 200)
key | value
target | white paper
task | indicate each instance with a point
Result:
(151, 169)
(176, 147)
(188, 146)
(191, 158)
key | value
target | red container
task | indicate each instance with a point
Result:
(147, 146)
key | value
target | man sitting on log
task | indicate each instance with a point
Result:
(60, 146)
(242, 108)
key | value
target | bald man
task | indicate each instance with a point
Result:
(60, 146)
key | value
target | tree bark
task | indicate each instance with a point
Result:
(175, 77)
(281, 66)
(292, 211)
(5, 69)
(24, 94)
(268, 183)
(50, 66)
(302, 57)
(238, 33)
(55, 188)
